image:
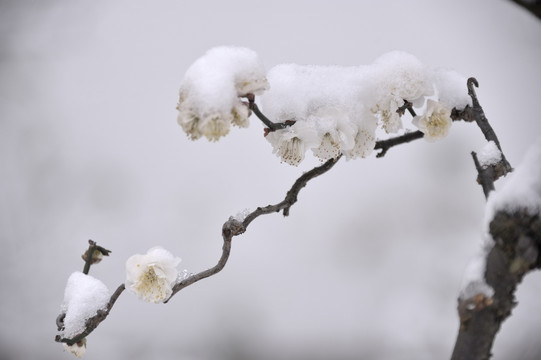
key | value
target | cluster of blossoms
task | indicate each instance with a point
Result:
(209, 94)
(336, 110)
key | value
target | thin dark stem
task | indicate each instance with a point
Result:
(489, 174)
(407, 106)
(272, 126)
(88, 256)
(291, 196)
(233, 227)
(485, 175)
(227, 234)
(385, 145)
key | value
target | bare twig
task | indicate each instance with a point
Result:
(233, 227)
(386, 144)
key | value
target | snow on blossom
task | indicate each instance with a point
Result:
(401, 76)
(84, 296)
(336, 131)
(489, 155)
(436, 121)
(209, 93)
(152, 276)
(523, 188)
(336, 109)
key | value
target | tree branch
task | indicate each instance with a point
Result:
(517, 243)
(517, 240)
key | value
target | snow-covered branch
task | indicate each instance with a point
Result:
(511, 249)
(334, 112)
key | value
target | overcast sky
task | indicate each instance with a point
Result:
(370, 261)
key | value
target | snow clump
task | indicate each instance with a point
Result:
(84, 296)
(334, 110)
(209, 93)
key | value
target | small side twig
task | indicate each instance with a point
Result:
(486, 175)
(386, 144)
(271, 126)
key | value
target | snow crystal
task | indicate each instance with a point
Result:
(522, 190)
(489, 155)
(83, 297)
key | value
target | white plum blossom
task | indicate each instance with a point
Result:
(291, 143)
(209, 93)
(336, 132)
(436, 121)
(152, 276)
(365, 141)
(77, 349)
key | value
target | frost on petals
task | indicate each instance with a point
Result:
(209, 93)
(152, 276)
(436, 121)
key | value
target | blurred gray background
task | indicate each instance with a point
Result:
(368, 265)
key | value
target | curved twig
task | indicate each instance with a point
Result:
(233, 227)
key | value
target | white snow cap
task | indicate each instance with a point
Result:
(337, 109)
(340, 108)
(489, 155)
(209, 93)
(152, 276)
(522, 190)
(83, 297)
